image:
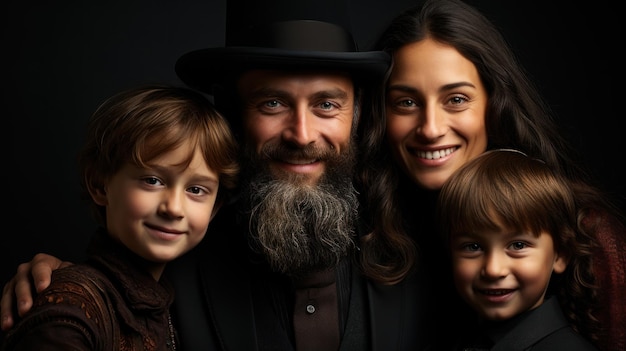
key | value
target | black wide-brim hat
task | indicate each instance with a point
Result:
(282, 34)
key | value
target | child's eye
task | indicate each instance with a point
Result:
(518, 245)
(472, 247)
(197, 190)
(152, 181)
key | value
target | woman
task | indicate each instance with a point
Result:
(454, 91)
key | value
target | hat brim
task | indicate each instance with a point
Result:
(203, 69)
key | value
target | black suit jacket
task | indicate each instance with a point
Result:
(544, 328)
(214, 304)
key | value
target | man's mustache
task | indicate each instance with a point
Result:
(283, 151)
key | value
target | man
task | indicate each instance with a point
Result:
(277, 269)
(296, 89)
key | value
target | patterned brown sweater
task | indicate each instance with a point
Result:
(106, 303)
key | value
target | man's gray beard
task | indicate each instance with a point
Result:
(301, 228)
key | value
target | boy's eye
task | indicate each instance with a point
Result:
(518, 245)
(195, 190)
(152, 180)
(472, 247)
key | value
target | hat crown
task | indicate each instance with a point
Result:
(283, 35)
(321, 25)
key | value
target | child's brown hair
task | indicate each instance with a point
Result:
(139, 124)
(506, 186)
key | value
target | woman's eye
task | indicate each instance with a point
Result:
(457, 100)
(407, 103)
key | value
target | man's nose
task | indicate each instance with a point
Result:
(302, 128)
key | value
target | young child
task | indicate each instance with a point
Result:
(152, 165)
(519, 258)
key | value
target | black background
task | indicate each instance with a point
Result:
(62, 58)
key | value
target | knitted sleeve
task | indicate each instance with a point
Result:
(73, 313)
(609, 265)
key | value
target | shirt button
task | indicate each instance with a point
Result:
(310, 309)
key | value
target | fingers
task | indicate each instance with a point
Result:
(22, 289)
(16, 296)
(41, 269)
(6, 304)
(31, 278)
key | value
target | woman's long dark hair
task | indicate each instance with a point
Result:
(517, 117)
